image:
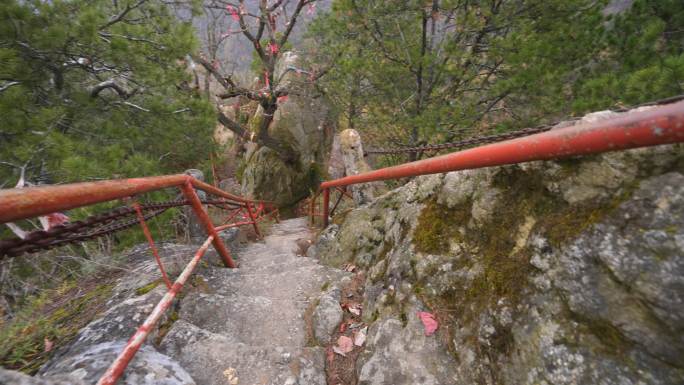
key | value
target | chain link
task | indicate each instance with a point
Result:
(462, 143)
(95, 226)
(501, 137)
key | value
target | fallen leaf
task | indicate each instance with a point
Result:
(344, 345)
(354, 308)
(55, 219)
(349, 268)
(360, 336)
(338, 351)
(429, 322)
(48, 344)
(231, 376)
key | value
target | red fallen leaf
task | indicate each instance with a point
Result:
(283, 99)
(429, 322)
(343, 327)
(233, 13)
(53, 219)
(48, 344)
(344, 345)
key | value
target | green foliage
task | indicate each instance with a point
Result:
(53, 317)
(142, 290)
(490, 66)
(58, 51)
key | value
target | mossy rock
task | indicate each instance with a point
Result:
(266, 176)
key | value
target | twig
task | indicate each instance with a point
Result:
(8, 85)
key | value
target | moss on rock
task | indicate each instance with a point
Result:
(438, 225)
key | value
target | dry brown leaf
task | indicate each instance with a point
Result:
(48, 344)
(360, 336)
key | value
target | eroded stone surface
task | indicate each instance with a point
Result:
(147, 367)
(401, 354)
(228, 326)
(16, 378)
(327, 316)
(250, 321)
(565, 272)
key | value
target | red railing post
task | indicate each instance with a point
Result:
(248, 206)
(339, 199)
(117, 368)
(148, 235)
(191, 196)
(326, 204)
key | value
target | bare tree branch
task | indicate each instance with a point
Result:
(137, 107)
(95, 91)
(117, 18)
(5, 86)
(227, 83)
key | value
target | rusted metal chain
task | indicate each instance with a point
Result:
(92, 227)
(45, 243)
(462, 143)
(503, 136)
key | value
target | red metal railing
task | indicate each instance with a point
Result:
(311, 208)
(30, 202)
(659, 125)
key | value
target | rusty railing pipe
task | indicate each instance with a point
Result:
(215, 191)
(191, 196)
(20, 203)
(326, 206)
(659, 125)
(150, 241)
(252, 217)
(117, 367)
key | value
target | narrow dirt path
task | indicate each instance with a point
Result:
(247, 326)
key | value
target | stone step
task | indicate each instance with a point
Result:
(249, 322)
(275, 264)
(305, 280)
(215, 359)
(253, 320)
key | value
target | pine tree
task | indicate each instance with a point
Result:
(414, 72)
(97, 89)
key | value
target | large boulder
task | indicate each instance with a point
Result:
(346, 159)
(554, 272)
(266, 176)
(148, 367)
(11, 377)
(89, 354)
(303, 123)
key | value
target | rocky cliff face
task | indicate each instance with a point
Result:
(556, 272)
